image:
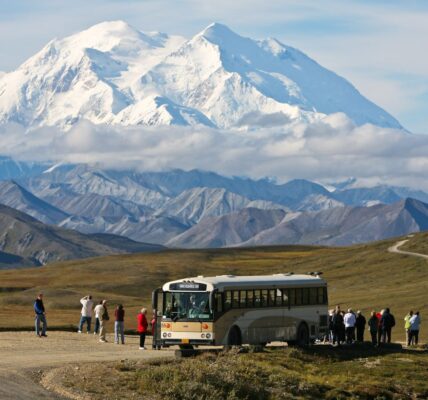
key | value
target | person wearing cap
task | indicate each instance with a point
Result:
(101, 313)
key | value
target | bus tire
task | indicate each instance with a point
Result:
(234, 338)
(302, 338)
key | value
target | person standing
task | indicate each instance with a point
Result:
(360, 325)
(119, 318)
(387, 322)
(407, 326)
(349, 320)
(142, 327)
(97, 320)
(373, 327)
(102, 313)
(379, 327)
(86, 313)
(337, 326)
(415, 323)
(40, 316)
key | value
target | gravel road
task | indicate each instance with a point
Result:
(25, 357)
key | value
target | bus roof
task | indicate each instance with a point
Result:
(224, 282)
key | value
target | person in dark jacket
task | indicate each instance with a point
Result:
(387, 322)
(373, 327)
(338, 327)
(360, 325)
(40, 316)
(142, 327)
(119, 318)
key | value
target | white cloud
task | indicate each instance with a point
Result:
(325, 151)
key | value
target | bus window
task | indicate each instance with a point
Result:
(257, 298)
(299, 296)
(243, 299)
(250, 298)
(235, 299)
(305, 300)
(264, 298)
(284, 297)
(320, 299)
(227, 300)
(271, 297)
(278, 301)
(219, 302)
(325, 295)
(292, 296)
(313, 296)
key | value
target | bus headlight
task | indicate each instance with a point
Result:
(164, 334)
(208, 336)
(203, 336)
(169, 334)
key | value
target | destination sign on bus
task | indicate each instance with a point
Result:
(188, 286)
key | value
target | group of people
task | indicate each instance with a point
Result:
(349, 327)
(100, 311)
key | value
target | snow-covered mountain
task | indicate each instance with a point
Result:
(112, 73)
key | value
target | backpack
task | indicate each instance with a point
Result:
(105, 316)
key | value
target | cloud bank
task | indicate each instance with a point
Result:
(331, 149)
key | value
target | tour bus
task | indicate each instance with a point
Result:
(233, 310)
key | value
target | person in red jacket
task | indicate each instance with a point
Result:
(142, 327)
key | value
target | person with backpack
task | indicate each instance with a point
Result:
(142, 327)
(415, 323)
(387, 322)
(40, 317)
(102, 314)
(86, 313)
(119, 328)
(360, 325)
(373, 327)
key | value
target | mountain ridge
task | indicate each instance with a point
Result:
(112, 73)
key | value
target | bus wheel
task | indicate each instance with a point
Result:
(302, 335)
(234, 338)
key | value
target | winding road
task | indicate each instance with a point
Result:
(395, 249)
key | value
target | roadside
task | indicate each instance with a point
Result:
(26, 359)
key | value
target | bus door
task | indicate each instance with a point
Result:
(157, 307)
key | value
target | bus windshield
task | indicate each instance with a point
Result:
(187, 305)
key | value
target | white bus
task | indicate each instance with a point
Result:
(234, 310)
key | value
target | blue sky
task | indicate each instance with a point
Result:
(380, 46)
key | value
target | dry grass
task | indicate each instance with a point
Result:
(365, 277)
(320, 372)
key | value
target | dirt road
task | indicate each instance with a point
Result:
(24, 357)
(395, 249)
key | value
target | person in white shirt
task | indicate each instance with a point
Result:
(86, 313)
(349, 320)
(415, 323)
(101, 314)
